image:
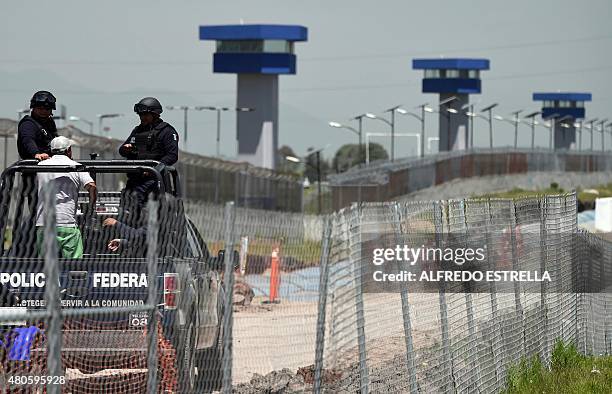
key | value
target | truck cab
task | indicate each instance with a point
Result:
(189, 282)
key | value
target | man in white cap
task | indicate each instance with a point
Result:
(67, 186)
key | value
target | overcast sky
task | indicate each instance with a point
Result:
(102, 57)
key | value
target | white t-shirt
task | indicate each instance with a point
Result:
(67, 186)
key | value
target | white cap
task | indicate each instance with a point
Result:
(60, 144)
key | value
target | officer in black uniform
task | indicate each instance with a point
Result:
(36, 131)
(34, 134)
(152, 139)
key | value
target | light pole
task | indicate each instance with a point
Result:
(533, 124)
(516, 123)
(359, 119)
(77, 119)
(591, 128)
(579, 126)
(105, 116)
(446, 104)
(554, 118)
(358, 132)
(490, 119)
(446, 113)
(473, 115)
(511, 121)
(185, 110)
(219, 110)
(610, 126)
(603, 130)
(390, 123)
(549, 126)
(421, 119)
(566, 126)
(470, 110)
(342, 126)
(317, 167)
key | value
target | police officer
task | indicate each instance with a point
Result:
(34, 134)
(152, 139)
(35, 131)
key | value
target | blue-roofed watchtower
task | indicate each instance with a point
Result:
(258, 54)
(454, 80)
(563, 109)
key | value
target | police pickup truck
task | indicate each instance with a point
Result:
(190, 296)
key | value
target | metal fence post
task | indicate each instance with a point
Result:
(499, 361)
(229, 295)
(543, 286)
(357, 265)
(469, 309)
(323, 281)
(515, 267)
(448, 384)
(410, 362)
(53, 330)
(152, 238)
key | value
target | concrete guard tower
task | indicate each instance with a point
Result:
(452, 78)
(563, 108)
(258, 54)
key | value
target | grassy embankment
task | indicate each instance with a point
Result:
(586, 197)
(570, 372)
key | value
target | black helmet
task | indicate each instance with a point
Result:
(148, 104)
(43, 99)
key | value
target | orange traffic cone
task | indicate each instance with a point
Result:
(274, 275)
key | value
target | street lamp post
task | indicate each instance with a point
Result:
(358, 132)
(471, 119)
(185, 110)
(490, 119)
(390, 123)
(77, 119)
(549, 126)
(580, 125)
(533, 124)
(317, 167)
(592, 128)
(511, 121)
(359, 119)
(446, 104)
(105, 116)
(603, 130)
(219, 110)
(446, 113)
(555, 118)
(516, 123)
(421, 119)
(474, 115)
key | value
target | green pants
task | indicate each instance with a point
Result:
(69, 242)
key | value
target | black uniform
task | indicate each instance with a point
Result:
(158, 141)
(34, 136)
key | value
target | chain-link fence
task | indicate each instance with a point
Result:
(183, 296)
(387, 180)
(452, 339)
